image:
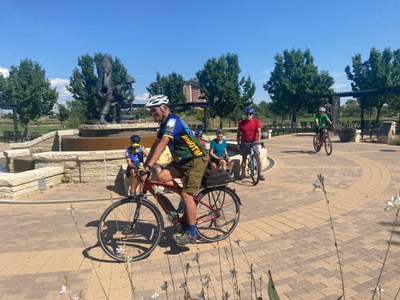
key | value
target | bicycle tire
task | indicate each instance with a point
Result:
(328, 145)
(315, 143)
(123, 243)
(217, 225)
(255, 171)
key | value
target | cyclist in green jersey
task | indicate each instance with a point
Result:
(320, 122)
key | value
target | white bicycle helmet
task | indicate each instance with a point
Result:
(157, 100)
(322, 109)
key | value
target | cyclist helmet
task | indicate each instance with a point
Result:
(199, 132)
(157, 100)
(219, 131)
(250, 110)
(322, 109)
(135, 139)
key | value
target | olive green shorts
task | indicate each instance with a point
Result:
(193, 172)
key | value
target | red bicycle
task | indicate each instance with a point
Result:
(325, 141)
(130, 229)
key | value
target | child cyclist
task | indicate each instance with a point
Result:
(320, 122)
(134, 157)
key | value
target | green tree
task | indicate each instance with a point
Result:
(83, 84)
(170, 86)
(77, 113)
(351, 109)
(28, 88)
(381, 70)
(264, 109)
(293, 77)
(63, 113)
(221, 87)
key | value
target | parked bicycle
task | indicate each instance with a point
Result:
(325, 141)
(130, 229)
(253, 163)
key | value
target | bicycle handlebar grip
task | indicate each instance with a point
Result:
(142, 172)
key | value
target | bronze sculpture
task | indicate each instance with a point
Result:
(111, 96)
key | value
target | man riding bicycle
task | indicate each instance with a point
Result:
(320, 122)
(249, 131)
(190, 159)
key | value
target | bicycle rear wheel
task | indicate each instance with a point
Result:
(255, 172)
(219, 222)
(124, 240)
(316, 144)
(328, 145)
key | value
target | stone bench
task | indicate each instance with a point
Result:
(14, 186)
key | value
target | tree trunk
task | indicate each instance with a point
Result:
(294, 118)
(362, 113)
(26, 132)
(378, 114)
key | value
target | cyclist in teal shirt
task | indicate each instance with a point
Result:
(218, 152)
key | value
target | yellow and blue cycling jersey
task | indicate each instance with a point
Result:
(135, 154)
(182, 142)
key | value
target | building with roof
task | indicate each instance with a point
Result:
(191, 90)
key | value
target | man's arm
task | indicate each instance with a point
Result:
(145, 153)
(258, 131)
(258, 134)
(152, 149)
(238, 137)
(156, 150)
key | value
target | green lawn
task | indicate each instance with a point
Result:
(7, 125)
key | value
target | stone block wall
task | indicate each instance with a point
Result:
(15, 186)
(84, 166)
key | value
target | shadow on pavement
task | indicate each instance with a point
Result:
(165, 242)
(310, 152)
(116, 189)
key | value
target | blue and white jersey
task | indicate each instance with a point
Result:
(182, 142)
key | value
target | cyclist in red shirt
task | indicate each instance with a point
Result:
(249, 131)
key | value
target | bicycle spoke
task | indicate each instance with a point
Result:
(124, 240)
(217, 223)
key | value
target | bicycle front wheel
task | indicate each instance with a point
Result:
(255, 171)
(328, 145)
(124, 239)
(217, 222)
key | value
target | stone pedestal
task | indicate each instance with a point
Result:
(269, 134)
(357, 137)
(386, 132)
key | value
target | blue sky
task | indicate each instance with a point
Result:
(179, 36)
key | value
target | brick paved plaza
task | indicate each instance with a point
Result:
(284, 227)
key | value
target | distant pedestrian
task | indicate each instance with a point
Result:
(249, 131)
(328, 109)
(219, 153)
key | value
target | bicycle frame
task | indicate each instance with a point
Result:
(148, 187)
(252, 151)
(324, 135)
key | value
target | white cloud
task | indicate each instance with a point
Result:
(61, 86)
(4, 72)
(142, 98)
